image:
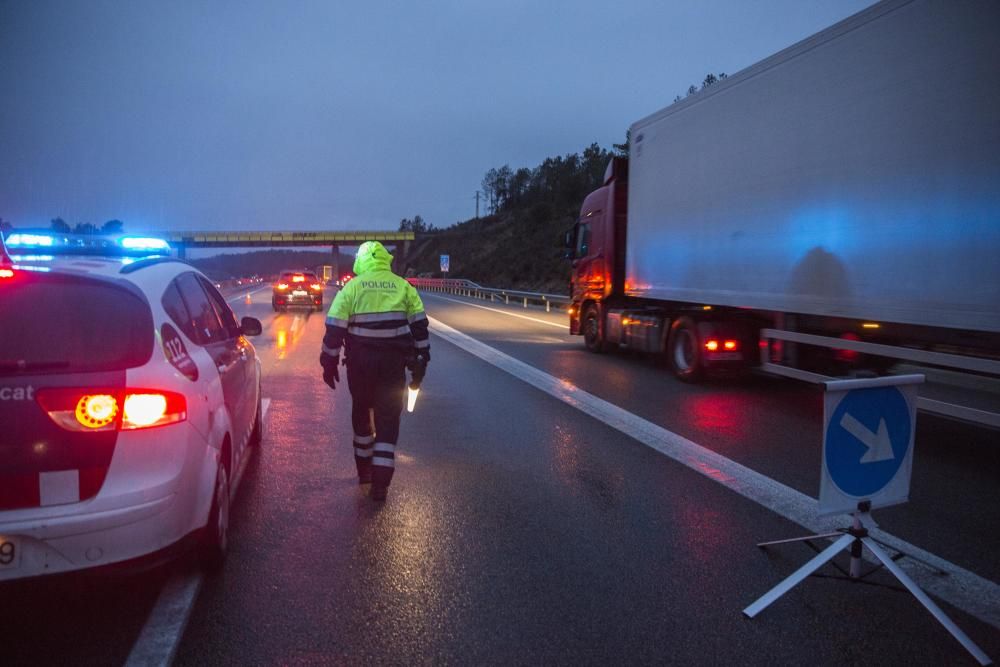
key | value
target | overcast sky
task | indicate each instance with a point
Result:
(337, 115)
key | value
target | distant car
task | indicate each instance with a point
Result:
(297, 288)
(129, 405)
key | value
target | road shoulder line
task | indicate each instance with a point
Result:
(160, 637)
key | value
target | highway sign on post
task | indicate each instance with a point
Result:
(867, 442)
(445, 263)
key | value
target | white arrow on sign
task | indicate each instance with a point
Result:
(878, 444)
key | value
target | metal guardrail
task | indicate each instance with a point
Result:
(462, 287)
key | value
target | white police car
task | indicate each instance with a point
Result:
(129, 396)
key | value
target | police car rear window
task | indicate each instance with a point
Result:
(54, 323)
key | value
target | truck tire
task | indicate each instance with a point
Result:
(593, 337)
(684, 350)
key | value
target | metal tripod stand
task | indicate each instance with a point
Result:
(854, 538)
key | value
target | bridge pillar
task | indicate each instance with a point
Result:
(336, 261)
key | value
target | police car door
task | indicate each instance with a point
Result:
(245, 358)
(223, 349)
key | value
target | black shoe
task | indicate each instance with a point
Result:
(379, 493)
(365, 477)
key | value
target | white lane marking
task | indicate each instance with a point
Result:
(564, 327)
(246, 294)
(966, 590)
(158, 641)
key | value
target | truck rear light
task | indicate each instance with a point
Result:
(730, 345)
(282, 285)
(712, 345)
(76, 409)
(316, 286)
(848, 356)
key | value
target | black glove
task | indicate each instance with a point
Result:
(417, 364)
(423, 355)
(331, 369)
(331, 377)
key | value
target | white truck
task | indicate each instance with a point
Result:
(834, 206)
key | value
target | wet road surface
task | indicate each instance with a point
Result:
(520, 530)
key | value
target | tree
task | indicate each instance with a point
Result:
(60, 225)
(85, 228)
(691, 90)
(417, 225)
(112, 227)
(622, 149)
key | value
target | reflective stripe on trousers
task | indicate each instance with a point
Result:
(384, 455)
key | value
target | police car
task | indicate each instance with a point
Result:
(129, 401)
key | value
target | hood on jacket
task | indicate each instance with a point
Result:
(372, 256)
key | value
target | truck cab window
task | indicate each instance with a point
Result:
(583, 240)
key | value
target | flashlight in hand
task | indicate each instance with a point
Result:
(418, 367)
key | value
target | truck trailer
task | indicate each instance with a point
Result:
(832, 208)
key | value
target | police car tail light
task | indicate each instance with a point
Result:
(92, 410)
(81, 409)
(153, 408)
(6, 274)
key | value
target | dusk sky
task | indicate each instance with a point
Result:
(337, 115)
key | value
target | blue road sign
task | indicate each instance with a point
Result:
(867, 440)
(445, 263)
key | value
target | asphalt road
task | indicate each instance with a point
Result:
(520, 529)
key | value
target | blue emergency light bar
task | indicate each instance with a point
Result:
(86, 244)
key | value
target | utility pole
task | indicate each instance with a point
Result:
(477, 204)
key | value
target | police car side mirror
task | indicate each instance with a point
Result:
(250, 326)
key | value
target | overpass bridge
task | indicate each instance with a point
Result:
(182, 241)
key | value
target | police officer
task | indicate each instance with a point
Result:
(378, 320)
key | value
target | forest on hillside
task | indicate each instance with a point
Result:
(518, 244)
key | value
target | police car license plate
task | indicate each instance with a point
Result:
(299, 292)
(10, 553)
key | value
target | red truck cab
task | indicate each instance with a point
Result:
(598, 243)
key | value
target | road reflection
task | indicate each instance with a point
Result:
(288, 334)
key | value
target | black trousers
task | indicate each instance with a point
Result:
(377, 380)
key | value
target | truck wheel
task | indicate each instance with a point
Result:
(684, 350)
(591, 327)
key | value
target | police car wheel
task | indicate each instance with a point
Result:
(215, 539)
(257, 434)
